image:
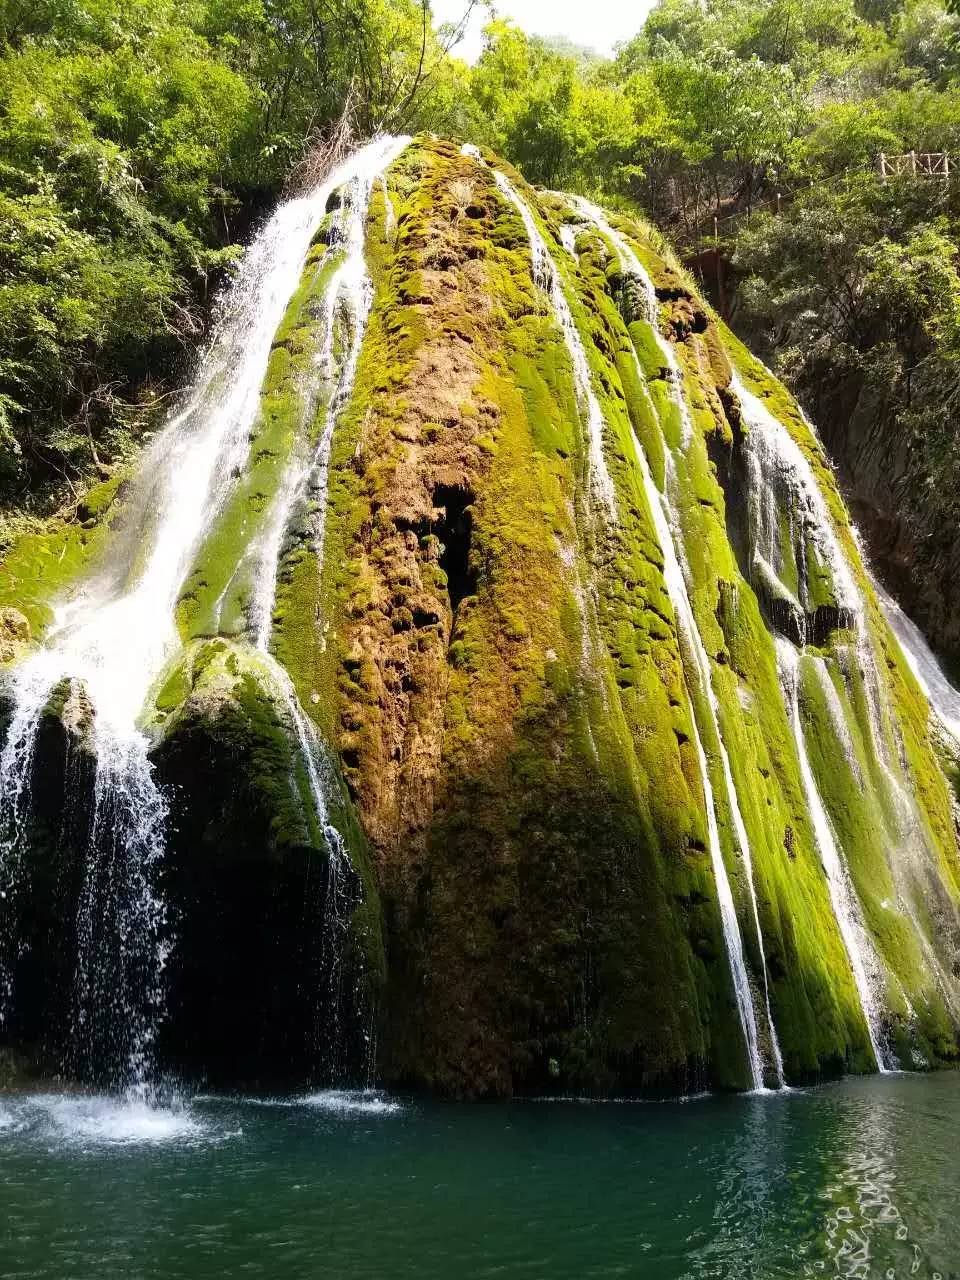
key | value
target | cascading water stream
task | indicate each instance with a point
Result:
(348, 299)
(778, 461)
(337, 902)
(632, 264)
(943, 698)
(347, 302)
(114, 636)
(680, 599)
(670, 538)
(944, 702)
(546, 276)
(843, 897)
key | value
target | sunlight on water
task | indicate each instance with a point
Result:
(853, 1180)
(864, 1220)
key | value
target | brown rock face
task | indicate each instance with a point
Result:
(14, 633)
(413, 555)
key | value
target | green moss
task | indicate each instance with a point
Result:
(814, 998)
(534, 762)
(42, 564)
(217, 593)
(513, 708)
(897, 765)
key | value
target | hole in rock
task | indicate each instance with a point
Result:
(454, 528)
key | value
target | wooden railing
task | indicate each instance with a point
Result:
(713, 228)
(915, 164)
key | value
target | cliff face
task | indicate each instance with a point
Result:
(634, 787)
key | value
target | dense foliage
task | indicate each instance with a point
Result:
(138, 142)
(770, 116)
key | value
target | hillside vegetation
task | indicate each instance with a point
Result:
(139, 144)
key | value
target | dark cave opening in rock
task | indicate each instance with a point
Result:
(454, 528)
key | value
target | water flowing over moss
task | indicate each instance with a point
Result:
(525, 687)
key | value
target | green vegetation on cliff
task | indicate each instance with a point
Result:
(494, 683)
(139, 144)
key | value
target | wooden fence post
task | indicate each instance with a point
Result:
(913, 163)
(883, 167)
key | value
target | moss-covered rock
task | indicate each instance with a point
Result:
(45, 560)
(487, 668)
(272, 975)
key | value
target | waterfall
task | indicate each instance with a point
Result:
(778, 465)
(632, 265)
(546, 276)
(670, 539)
(347, 300)
(779, 469)
(568, 238)
(846, 907)
(115, 634)
(943, 698)
(679, 597)
(338, 902)
(346, 303)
